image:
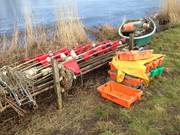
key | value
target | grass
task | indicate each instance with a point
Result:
(158, 113)
(105, 32)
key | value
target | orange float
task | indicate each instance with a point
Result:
(128, 27)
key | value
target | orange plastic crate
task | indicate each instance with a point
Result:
(161, 60)
(154, 64)
(135, 55)
(133, 81)
(148, 66)
(112, 74)
(119, 93)
(112, 67)
(127, 80)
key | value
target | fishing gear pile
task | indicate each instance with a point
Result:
(21, 84)
(130, 72)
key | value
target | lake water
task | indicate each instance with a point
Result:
(91, 12)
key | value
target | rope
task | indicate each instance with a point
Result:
(67, 78)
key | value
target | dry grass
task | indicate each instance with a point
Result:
(105, 32)
(67, 32)
(70, 29)
(29, 35)
(40, 39)
(9, 48)
(86, 113)
(170, 11)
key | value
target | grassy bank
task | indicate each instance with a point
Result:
(158, 113)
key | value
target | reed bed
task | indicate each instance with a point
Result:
(67, 32)
(70, 29)
(170, 11)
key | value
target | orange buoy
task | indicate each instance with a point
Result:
(128, 27)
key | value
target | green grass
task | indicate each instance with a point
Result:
(158, 113)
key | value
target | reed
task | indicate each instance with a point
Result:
(10, 48)
(3, 43)
(14, 42)
(170, 11)
(3, 47)
(29, 35)
(40, 36)
(70, 29)
(67, 32)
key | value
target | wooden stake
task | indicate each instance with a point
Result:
(131, 41)
(57, 85)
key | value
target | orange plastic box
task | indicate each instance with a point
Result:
(135, 55)
(119, 93)
(112, 74)
(112, 67)
(154, 64)
(148, 66)
(161, 60)
(133, 81)
(127, 80)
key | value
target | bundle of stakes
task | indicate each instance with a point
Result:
(20, 84)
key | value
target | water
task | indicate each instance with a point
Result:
(92, 12)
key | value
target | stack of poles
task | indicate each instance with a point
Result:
(43, 83)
